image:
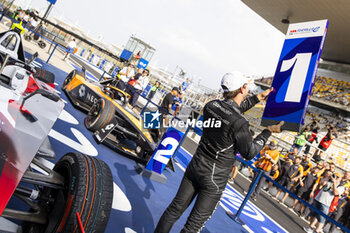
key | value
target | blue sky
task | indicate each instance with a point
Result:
(206, 38)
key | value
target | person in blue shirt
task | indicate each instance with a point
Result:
(177, 103)
(185, 85)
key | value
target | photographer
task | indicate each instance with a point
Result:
(325, 142)
(331, 187)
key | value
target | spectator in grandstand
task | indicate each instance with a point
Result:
(325, 142)
(70, 48)
(274, 174)
(330, 188)
(290, 178)
(269, 157)
(301, 139)
(124, 76)
(314, 130)
(339, 210)
(153, 90)
(305, 187)
(140, 84)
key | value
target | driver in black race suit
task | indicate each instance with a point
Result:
(208, 172)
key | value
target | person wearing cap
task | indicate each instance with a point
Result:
(140, 84)
(269, 157)
(207, 174)
(306, 163)
(291, 177)
(168, 100)
(305, 188)
(332, 186)
(274, 174)
(125, 75)
(165, 108)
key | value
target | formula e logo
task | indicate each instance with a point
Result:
(82, 91)
(151, 120)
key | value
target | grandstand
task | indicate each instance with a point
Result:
(325, 88)
(338, 151)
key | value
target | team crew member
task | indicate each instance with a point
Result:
(165, 107)
(207, 174)
(269, 157)
(292, 176)
(286, 163)
(274, 174)
(305, 187)
(306, 163)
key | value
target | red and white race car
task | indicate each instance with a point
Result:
(77, 193)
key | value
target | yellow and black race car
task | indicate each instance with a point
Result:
(110, 117)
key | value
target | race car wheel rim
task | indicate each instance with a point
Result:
(93, 114)
(138, 149)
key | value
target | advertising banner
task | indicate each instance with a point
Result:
(295, 74)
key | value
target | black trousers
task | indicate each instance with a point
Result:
(204, 180)
(336, 215)
(134, 96)
(121, 85)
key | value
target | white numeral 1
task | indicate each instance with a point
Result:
(298, 76)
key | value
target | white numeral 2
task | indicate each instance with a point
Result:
(159, 156)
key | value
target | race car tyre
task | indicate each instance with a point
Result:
(68, 79)
(89, 192)
(100, 114)
(28, 37)
(42, 44)
(36, 37)
(44, 75)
